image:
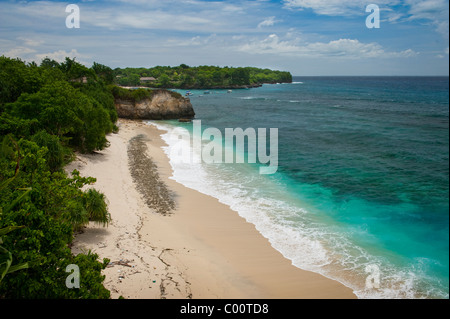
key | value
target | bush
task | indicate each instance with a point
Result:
(46, 113)
(55, 151)
(96, 207)
(50, 206)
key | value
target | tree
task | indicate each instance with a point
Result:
(134, 80)
(76, 71)
(104, 72)
(49, 114)
(240, 76)
(65, 112)
(42, 245)
(6, 257)
(56, 106)
(184, 76)
(49, 63)
(17, 78)
(55, 151)
(164, 81)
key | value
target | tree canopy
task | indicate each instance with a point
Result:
(46, 113)
(186, 77)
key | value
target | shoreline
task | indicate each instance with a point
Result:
(202, 250)
(224, 87)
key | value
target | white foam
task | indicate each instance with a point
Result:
(245, 200)
(252, 98)
(292, 230)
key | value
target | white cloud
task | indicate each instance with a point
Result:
(157, 20)
(60, 56)
(427, 9)
(270, 45)
(41, 9)
(436, 11)
(342, 48)
(30, 42)
(267, 22)
(336, 7)
(19, 52)
(170, 15)
(196, 41)
(170, 32)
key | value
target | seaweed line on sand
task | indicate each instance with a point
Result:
(145, 175)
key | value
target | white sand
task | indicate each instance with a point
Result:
(203, 250)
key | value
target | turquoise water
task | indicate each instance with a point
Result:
(363, 177)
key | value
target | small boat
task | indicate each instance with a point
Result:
(189, 93)
(206, 92)
(229, 91)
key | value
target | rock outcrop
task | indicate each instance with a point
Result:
(162, 105)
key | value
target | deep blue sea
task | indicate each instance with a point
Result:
(362, 190)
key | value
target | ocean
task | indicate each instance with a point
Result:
(361, 194)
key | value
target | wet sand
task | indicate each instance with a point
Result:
(168, 241)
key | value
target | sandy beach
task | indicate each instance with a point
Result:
(202, 249)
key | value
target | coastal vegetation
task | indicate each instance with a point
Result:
(201, 77)
(48, 112)
(139, 94)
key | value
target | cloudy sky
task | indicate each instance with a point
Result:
(305, 37)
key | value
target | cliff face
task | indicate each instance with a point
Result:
(161, 106)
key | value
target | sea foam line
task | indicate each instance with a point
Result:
(302, 241)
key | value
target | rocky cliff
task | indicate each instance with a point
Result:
(161, 105)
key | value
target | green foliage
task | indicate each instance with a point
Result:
(75, 71)
(101, 93)
(6, 257)
(104, 72)
(53, 209)
(184, 76)
(46, 112)
(16, 78)
(53, 97)
(96, 207)
(164, 80)
(134, 95)
(55, 151)
(20, 127)
(137, 95)
(48, 63)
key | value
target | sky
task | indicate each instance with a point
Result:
(304, 37)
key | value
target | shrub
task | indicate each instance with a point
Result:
(96, 207)
(55, 151)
